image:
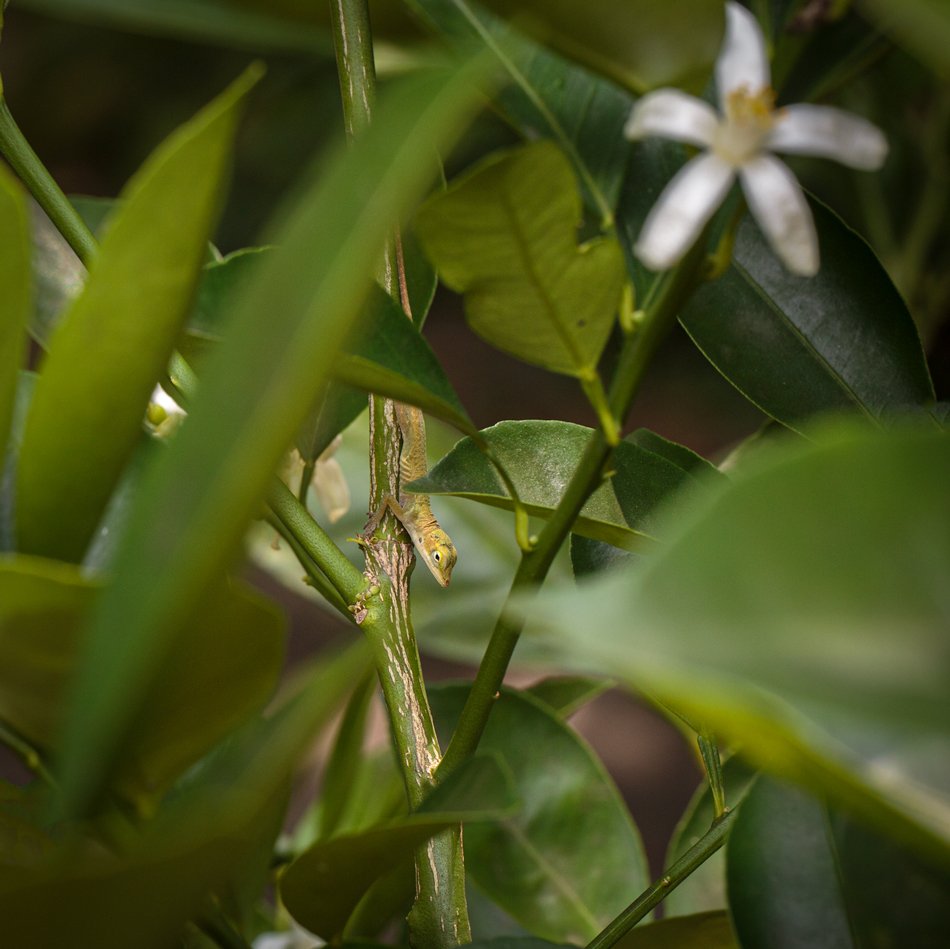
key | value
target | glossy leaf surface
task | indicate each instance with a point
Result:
(15, 295)
(797, 346)
(799, 609)
(505, 236)
(540, 457)
(312, 288)
(323, 886)
(640, 45)
(530, 863)
(798, 870)
(108, 351)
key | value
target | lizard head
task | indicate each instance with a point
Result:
(440, 555)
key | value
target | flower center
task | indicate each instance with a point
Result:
(749, 119)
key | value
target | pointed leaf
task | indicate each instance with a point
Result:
(110, 348)
(530, 864)
(323, 886)
(566, 694)
(797, 346)
(15, 296)
(540, 457)
(254, 395)
(772, 613)
(505, 235)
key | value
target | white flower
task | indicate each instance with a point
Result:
(738, 143)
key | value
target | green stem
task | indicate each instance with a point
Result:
(32, 172)
(27, 753)
(439, 916)
(660, 313)
(698, 854)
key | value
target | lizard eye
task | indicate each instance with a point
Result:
(437, 557)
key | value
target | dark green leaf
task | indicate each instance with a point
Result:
(704, 890)
(548, 97)
(516, 942)
(110, 348)
(802, 876)
(531, 864)
(209, 482)
(679, 455)
(15, 294)
(540, 457)
(566, 694)
(640, 45)
(505, 235)
(225, 670)
(589, 557)
(220, 281)
(323, 886)
(702, 931)
(799, 609)
(797, 346)
(923, 26)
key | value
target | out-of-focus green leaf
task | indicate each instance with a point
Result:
(505, 235)
(566, 694)
(548, 97)
(702, 931)
(799, 870)
(923, 26)
(323, 886)
(255, 392)
(143, 889)
(531, 864)
(800, 609)
(225, 670)
(15, 296)
(110, 348)
(704, 890)
(540, 457)
(797, 346)
(638, 44)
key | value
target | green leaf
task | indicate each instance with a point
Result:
(15, 296)
(640, 45)
(800, 610)
(799, 870)
(923, 26)
(702, 931)
(324, 885)
(110, 348)
(142, 890)
(505, 235)
(566, 694)
(540, 457)
(796, 346)
(254, 395)
(515, 942)
(548, 97)
(225, 670)
(531, 864)
(221, 280)
(704, 890)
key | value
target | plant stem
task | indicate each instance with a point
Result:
(698, 854)
(32, 172)
(439, 916)
(27, 753)
(660, 313)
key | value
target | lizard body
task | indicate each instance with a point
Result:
(414, 511)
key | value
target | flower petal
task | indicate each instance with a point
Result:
(828, 133)
(682, 210)
(670, 113)
(778, 204)
(743, 60)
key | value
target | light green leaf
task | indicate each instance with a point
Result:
(108, 351)
(801, 611)
(15, 295)
(505, 235)
(255, 392)
(540, 457)
(324, 885)
(531, 864)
